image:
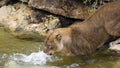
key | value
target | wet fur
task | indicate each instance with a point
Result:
(84, 38)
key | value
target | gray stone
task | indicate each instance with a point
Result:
(69, 8)
(115, 46)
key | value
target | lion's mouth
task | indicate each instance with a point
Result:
(48, 53)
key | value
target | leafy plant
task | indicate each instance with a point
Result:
(86, 1)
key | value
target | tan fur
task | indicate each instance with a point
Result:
(84, 38)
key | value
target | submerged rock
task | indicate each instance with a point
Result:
(23, 22)
(69, 8)
(115, 46)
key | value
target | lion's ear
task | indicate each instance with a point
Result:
(48, 31)
(58, 37)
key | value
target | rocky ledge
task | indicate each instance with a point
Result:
(23, 22)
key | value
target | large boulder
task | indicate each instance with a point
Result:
(69, 8)
(23, 22)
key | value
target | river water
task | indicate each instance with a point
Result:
(21, 53)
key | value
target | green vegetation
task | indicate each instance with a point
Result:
(86, 1)
(93, 4)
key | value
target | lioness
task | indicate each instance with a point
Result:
(84, 38)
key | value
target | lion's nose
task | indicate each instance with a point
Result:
(50, 54)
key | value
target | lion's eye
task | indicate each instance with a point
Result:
(50, 47)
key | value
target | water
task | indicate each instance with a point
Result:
(20, 53)
(34, 60)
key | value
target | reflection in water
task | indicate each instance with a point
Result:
(10, 45)
(13, 64)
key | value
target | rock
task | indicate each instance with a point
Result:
(24, 1)
(69, 8)
(115, 46)
(23, 22)
(3, 2)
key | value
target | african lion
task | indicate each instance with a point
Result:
(84, 38)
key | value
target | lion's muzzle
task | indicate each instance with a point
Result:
(48, 51)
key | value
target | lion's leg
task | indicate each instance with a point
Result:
(113, 27)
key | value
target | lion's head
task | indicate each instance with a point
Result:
(55, 41)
